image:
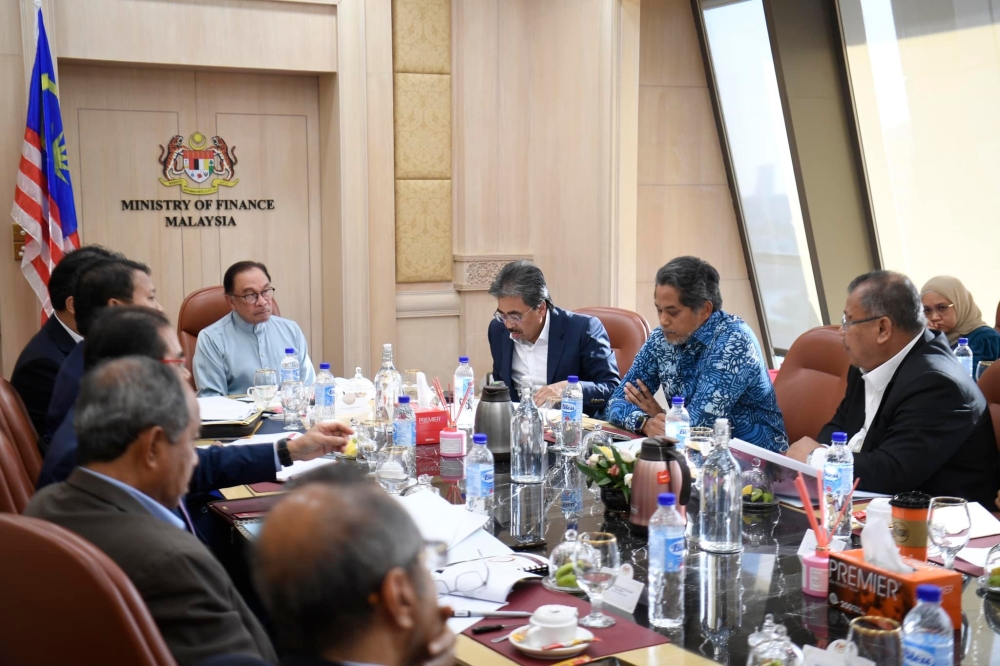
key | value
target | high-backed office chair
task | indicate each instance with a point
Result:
(996, 321)
(989, 384)
(812, 381)
(66, 602)
(16, 488)
(199, 310)
(14, 418)
(627, 332)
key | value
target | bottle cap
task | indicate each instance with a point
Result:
(667, 499)
(404, 399)
(963, 341)
(573, 379)
(677, 400)
(479, 438)
(463, 359)
(324, 366)
(289, 350)
(930, 593)
(839, 438)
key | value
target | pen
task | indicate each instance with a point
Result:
(472, 613)
(485, 629)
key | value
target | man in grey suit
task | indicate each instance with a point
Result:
(136, 423)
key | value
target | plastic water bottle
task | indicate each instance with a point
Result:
(678, 422)
(838, 482)
(464, 376)
(721, 513)
(572, 415)
(404, 423)
(529, 456)
(326, 394)
(928, 636)
(290, 366)
(666, 564)
(388, 385)
(479, 477)
(964, 354)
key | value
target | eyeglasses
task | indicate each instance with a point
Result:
(504, 318)
(251, 299)
(941, 309)
(844, 324)
(466, 581)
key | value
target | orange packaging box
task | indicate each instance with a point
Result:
(860, 588)
(430, 422)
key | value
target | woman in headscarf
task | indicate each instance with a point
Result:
(949, 308)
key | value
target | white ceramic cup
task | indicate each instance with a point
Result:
(553, 624)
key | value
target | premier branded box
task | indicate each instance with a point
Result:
(430, 422)
(858, 587)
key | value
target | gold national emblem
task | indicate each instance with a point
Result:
(198, 163)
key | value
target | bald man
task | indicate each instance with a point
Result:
(340, 567)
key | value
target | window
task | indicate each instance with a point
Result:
(740, 52)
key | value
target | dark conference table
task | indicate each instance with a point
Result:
(726, 596)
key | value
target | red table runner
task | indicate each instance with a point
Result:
(623, 636)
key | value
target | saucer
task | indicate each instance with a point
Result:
(985, 588)
(522, 640)
(549, 585)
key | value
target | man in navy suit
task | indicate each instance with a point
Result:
(37, 366)
(532, 340)
(117, 281)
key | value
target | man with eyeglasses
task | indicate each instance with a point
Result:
(247, 339)
(915, 418)
(533, 341)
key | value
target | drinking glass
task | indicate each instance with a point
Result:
(699, 445)
(293, 399)
(393, 468)
(949, 524)
(982, 367)
(596, 566)
(371, 438)
(553, 420)
(878, 639)
(265, 385)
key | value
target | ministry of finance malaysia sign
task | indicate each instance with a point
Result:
(191, 168)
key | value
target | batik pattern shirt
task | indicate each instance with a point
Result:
(720, 372)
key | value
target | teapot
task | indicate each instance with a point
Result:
(659, 468)
(493, 414)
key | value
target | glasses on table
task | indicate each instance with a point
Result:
(949, 525)
(596, 567)
(293, 399)
(251, 299)
(393, 470)
(265, 385)
(981, 369)
(475, 578)
(878, 639)
(371, 438)
(553, 421)
(696, 449)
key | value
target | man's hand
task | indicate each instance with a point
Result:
(550, 391)
(801, 449)
(642, 398)
(321, 439)
(441, 649)
(656, 426)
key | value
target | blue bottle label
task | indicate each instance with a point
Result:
(460, 388)
(674, 554)
(927, 650)
(838, 479)
(479, 480)
(404, 433)
(677, 430)
(327, 397)
(572, 410)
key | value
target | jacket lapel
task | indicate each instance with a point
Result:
(556, 332)
(506, 359)
(104, 491)
(60, 337)
(877, 425)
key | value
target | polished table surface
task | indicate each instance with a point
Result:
(726, 596)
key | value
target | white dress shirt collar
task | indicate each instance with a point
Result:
(879, 378)
(531, 359)
(73, 334)
(151, 505)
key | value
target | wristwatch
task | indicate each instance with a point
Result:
(284, 456)
(640, 423)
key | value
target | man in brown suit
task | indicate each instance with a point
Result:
(136, 423)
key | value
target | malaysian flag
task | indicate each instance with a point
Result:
(43, 198)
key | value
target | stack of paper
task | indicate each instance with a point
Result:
(439, 520)
(217, 408)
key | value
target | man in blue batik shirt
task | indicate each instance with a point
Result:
(709, 357)
(232, 349)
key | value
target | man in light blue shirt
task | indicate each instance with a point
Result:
(247, 339)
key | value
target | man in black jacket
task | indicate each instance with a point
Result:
(915, 418)
(137, 423)
(37, 366)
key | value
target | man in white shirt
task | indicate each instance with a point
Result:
(533, 341)
(915, 418)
